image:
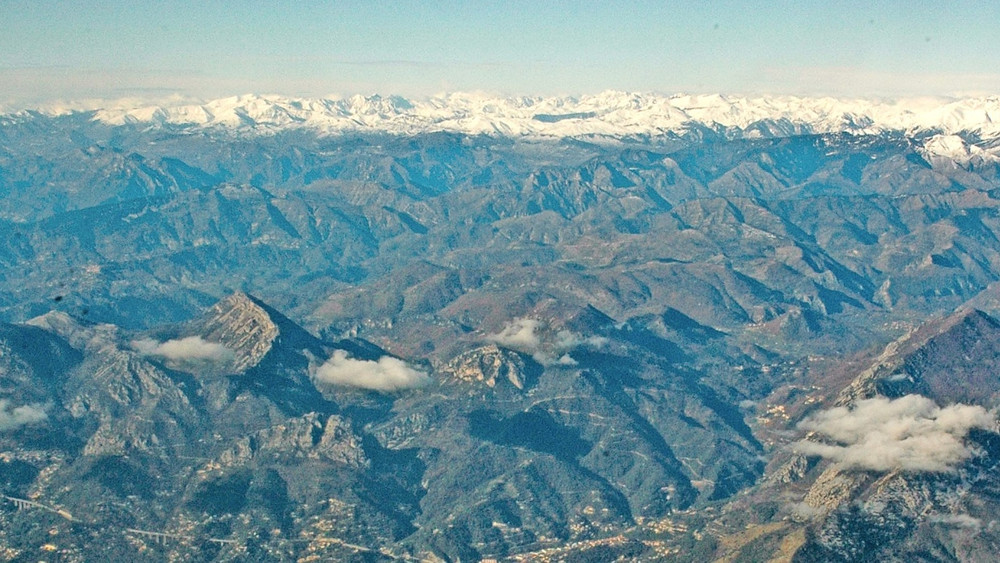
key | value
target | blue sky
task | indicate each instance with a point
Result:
(73, 50)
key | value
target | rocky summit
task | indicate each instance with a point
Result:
(617, 327)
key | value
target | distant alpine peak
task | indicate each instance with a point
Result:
(609, 113)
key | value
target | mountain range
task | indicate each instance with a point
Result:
(617, 326)
(608, 114)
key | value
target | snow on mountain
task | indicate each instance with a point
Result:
(608, 113)
(956, 149)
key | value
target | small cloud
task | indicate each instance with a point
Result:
(189, 349)
(11, 418)
(957, 520)
(567, 340)
(386, 374)
(566, 360)
(801, 511)
(532, 337)
(520, 335)
(911, 433)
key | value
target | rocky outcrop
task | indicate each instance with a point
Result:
(243, 326)
(312, 436)
(491, 364)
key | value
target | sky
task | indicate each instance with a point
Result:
(70, 50)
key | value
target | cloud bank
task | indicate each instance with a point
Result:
(386, 374)
(532, 337)
(189, 349)
(911, 433)
(11, 418)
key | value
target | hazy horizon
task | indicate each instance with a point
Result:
(110, 50)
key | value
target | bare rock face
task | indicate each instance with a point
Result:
(490, 364)
(79, 334)
(308, 436)
(244, 327)
(136, 404)
(791, 471)
(833, 488)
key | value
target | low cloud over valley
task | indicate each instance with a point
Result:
(385, 374)
(532, 337)
(12, 417)
(189, 349)
(911, 433)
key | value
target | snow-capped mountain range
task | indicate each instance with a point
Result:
(608, 114)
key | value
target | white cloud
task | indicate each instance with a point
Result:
(911, 433)
(566, 360)
(13, 417)
(532, 337)
(801, 511)
(957, 520)
(386, 374)
(520, 335)
(190, 349)
(566, 340)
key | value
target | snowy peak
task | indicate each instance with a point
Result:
(956, 149)
(610, 113)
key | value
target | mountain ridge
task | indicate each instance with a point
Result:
(607, 114)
